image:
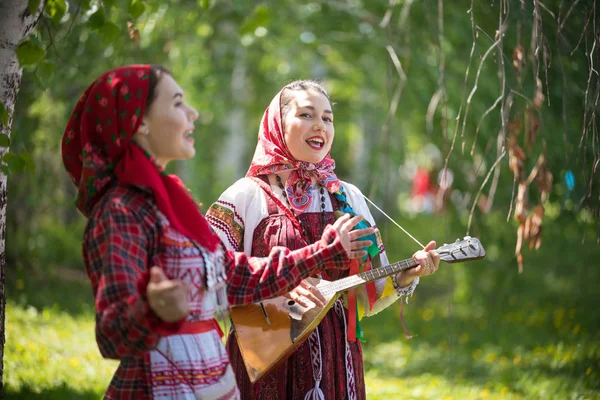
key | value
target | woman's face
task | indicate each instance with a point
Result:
(308, 126)
(166, 129)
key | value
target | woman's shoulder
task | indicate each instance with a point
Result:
(120, 200)
(243, 190)
(351, 189)
(243, 184)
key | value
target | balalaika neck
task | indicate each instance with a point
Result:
(367, 276)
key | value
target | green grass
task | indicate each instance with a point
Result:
(483, 330)
(50, 351)
(513, 355)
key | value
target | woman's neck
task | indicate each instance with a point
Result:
(284, 175)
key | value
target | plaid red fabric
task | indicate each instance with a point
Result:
(252, 279)
(123, 239)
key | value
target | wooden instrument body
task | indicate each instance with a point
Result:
(269, 332)
(264, 343)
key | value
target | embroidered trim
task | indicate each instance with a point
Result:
(350, 384)
(316, 358)
(225, 217)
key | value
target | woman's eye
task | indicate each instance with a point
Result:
(305, 115)
(179, 104)
(327, 119)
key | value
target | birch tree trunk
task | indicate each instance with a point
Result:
(16, 22)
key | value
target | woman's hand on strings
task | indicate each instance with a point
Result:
(429, 261)
(168, 298)
(306, 293)
(350, 237)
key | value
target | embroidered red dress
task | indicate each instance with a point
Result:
(293, 379)
(139, 217)
(125, 235)
(247, 219)
(329, 364)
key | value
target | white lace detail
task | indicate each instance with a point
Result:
(350, 383)
(314, 341)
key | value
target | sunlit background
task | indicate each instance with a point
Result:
(454, 117)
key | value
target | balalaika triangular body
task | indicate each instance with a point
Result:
(269, 332)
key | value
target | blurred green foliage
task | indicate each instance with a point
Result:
(481, 330)
(232, 57)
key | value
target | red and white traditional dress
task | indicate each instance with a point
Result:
(329, 364)
(140, 217)
(126, 234)
(248, 220)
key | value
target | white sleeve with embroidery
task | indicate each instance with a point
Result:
(236, 214)
(358, 203)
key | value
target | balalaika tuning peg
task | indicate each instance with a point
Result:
(467, 238)
(457, 240)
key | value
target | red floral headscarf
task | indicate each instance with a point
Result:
(272, 155)
(98, 151)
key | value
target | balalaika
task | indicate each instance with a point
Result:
(270, 331)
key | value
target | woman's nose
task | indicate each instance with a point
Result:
(193, 114)
(319, 126)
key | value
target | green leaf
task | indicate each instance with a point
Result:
(136, 8)
(28, 162)
(97, 20)
(260, 17)
(44, 72)
(56, 9)
(205, 4)
(3, 115)
(30, 52)
(14, 162)
(32, 6)
(4, 140)
(109, 33)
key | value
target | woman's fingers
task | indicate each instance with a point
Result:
(312, 293)
(352, 222)
(359, 244)
(307, 298)
(341, 221)
(358, 233)
(357, 254)
(428, 263)
(157, 275)
(307, 295)
(430, 246)
(168, 298)
(428, 259)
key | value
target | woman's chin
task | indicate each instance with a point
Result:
(187, 154)
(313, 158)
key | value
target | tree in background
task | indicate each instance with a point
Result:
(17, 20)
(507, 90)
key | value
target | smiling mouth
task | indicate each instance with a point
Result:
(316, 143)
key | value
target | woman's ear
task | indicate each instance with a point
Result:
(143, 128)
(141, 135)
